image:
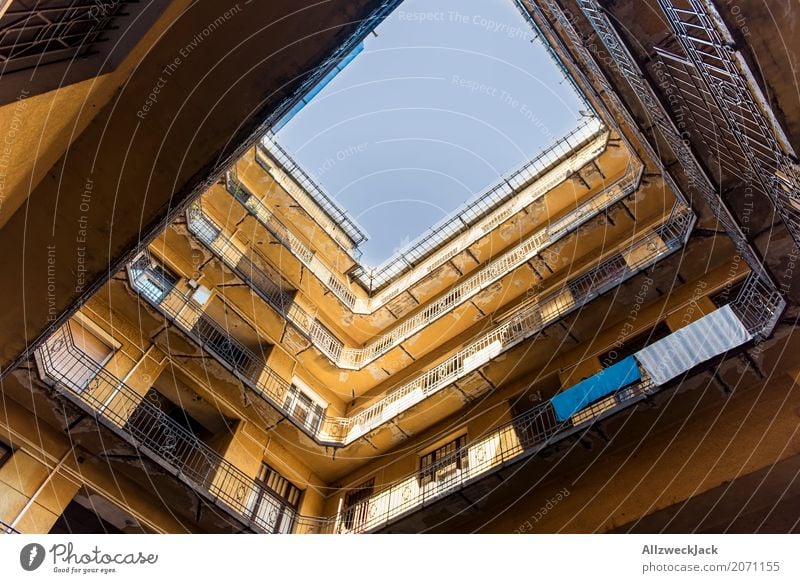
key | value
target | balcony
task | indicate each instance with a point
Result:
(487, 274)
(208, 232)
(753, 135)
(487, 211)
(514, 327)
(626, 66)
(334, 220)
(124, 411)
(144, 425)
(753, 314)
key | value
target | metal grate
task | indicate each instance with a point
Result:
(40, 32)
(142, 423)
(710, 47)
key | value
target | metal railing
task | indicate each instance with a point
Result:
(312, 198)
(212, 236)
(191, 319)
(626, 65)
(528, 319)
(369, 305)
(758, 306)
(516, 326)
(487, 211)
(143, 424)
(288, 239)
(363, 27)
(524, 435)
(710, 47)
(357, 358)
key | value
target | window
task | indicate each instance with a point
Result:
(274, 505)
(355, 511)
(48, 44)
(303, 408)
(443, 465)
(203, 227)
(74, 354)
(152, 281)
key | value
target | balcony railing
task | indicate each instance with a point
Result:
(760, 300)
(212, 236)
(524, 435)
(487, 212)
(56, 32)
(487, 275)
(352, 358)
(112, 402)
(189, 317)
(757, 306)
(528, 319)
(289, 240)
(710, 48)
(515, 327)
(140, 422)
(312, 199)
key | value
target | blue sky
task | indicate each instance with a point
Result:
(450, 96)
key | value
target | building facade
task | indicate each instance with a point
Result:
(565, 346)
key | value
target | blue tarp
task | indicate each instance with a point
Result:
(579, 396)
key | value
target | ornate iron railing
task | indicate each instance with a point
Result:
(157, 435)
(528, 319)
(357, 358)
(288, 239)
(711, 49)
(359, 305)
(144, 425)
(515, 327)
(523, 436)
